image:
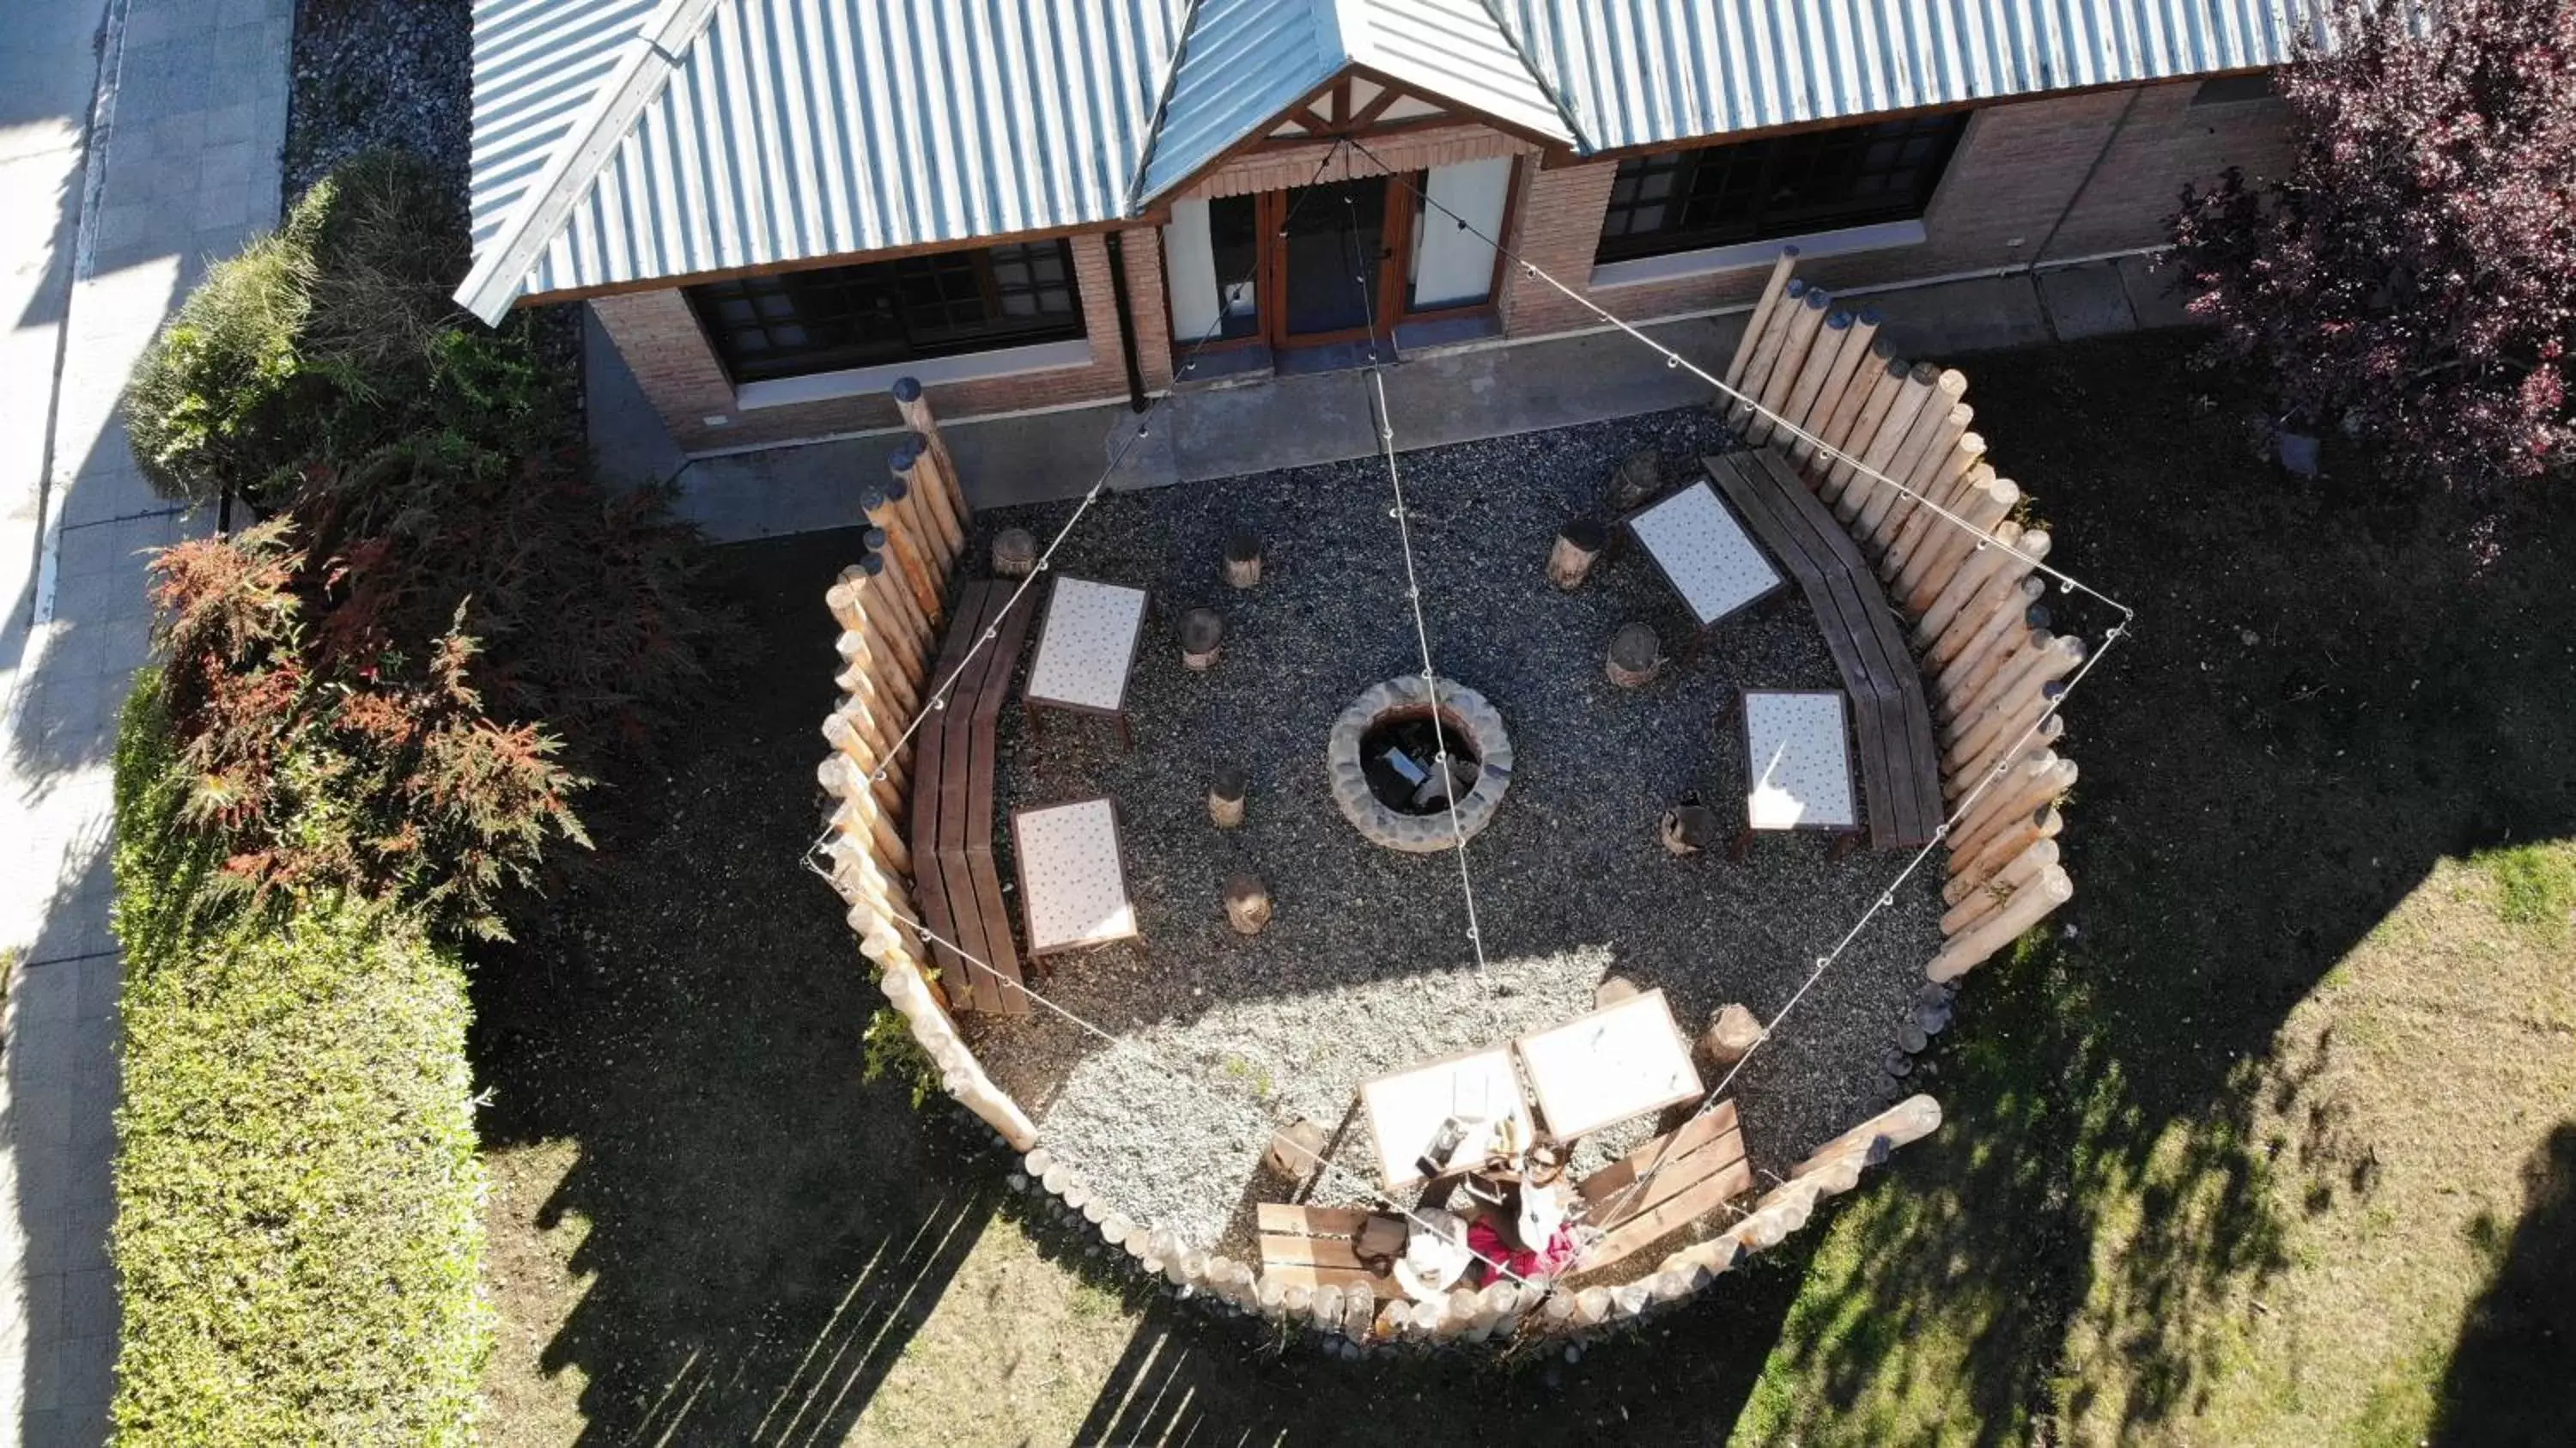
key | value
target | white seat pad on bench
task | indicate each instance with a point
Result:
(1073, 884)
(1798, 761)
(1704, 553)
(1088, 645)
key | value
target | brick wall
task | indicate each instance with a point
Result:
(677, 368)
(2015, 172)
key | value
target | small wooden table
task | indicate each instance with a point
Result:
(1621, 1061)
(1704, 554)
(1797, 758)
(1405, 1109)
(1073, 876)
(1086, 649)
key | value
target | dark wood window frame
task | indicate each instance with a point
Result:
(774, 325)
(1777, 186)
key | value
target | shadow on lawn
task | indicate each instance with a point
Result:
(2324, 696)
(2516, 1357)
(758, 1233)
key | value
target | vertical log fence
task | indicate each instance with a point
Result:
(1993, 669)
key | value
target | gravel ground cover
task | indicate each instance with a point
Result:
(1367, 967)
(380, 73)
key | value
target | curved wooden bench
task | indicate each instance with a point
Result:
(955, 879)
(1900, 764)
(1703, 1167)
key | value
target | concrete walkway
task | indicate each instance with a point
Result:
(137, 139)
(1226, 430)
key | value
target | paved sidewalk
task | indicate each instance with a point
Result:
(137, 138)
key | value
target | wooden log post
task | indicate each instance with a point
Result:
(1202, 632)
(1851, 484)
(1980, 508)
(878, 820)
(1795, 344)
(2037, 856)
(1247, 904)
(1831, 474)
(960, 1073)
(1731, 1036)
(902, 599)
(1982, 576)
(2029, 905)
(1636, 656)
(1773, 287)
(1296, 1149)
(1903, 1124)
(889, 520)
(2049, 656)
(1943, 422)
(1242, 557)
(2012, 620)
(1833, 339)
(1843, 417)
(914, 406)
(1945, 480)
(892, 630)
(1973, 906)
(844, 778)
(1989, 855)
(1578, 544)
(1860, 351)
(872, 670)
(1980, 668)
(2017, 789)
(1015, 553)
(1226, 794)
(914, 476)
(1766, 353)
(1999, 729)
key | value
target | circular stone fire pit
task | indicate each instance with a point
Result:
(1385, 798)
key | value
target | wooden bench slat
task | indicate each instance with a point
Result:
(1644, 1231)
(1698, 1132)
(1292, 1275)
(1312, 1221)
(931, 816)
(981, 700)
(1309, 1251)
(1900, 766)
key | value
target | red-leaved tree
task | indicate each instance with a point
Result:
(2414, 276)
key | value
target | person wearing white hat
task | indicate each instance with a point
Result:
(1435, 1255)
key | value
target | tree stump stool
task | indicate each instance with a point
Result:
(1202, 638)
(1243, 558)
(1247, 904)
(1636, 656)
(1689, 828)
(1578, 545)
(1640, 476)
(1225, 796)
(1015, 553)
(1730, 1037)
(1296, 1149)
(1612, 990)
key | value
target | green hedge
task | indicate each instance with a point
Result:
(299, 1201)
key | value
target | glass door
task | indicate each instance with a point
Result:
(1330, 237)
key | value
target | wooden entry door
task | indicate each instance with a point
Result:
(1321, 241)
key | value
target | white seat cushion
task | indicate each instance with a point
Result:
(1704, 552)
(1798, 761)
(1088, 645)
(1074, 888)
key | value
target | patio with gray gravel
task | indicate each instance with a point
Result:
(1367, 967)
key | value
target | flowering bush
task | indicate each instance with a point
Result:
(2414, 277)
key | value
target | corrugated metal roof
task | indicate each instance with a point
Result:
(807, 128)
(624, 141)
(1245, 61)
(1645, 72)
(537, 64)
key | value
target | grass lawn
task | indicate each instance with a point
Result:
(2277, 1145)
(2277, 1148)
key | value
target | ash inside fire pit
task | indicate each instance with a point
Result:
(1399, 756)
